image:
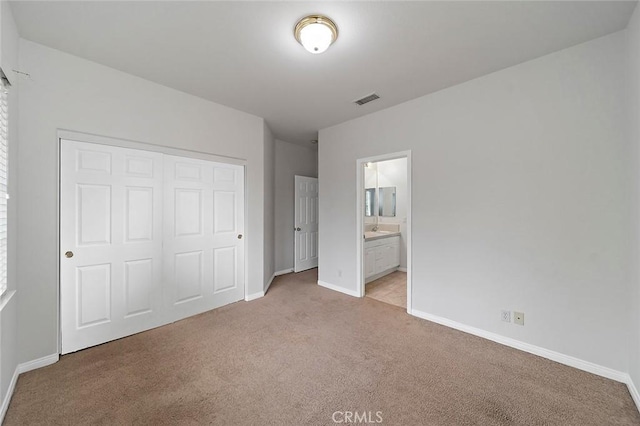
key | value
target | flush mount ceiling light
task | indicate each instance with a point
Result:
(316, 33)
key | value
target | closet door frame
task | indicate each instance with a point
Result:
(123, 143)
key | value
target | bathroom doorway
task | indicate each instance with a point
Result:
(384, 225)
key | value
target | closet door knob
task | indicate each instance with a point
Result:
(239, 236)
(69, 254)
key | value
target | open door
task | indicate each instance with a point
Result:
(306, 223)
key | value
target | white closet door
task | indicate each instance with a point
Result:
(145, 239)
(110, 243)
(203, 235)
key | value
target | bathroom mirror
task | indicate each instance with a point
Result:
(369, 201)
(387, 201)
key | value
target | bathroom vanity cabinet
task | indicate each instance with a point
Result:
(381, 256)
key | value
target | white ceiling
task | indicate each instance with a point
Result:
(243, 54)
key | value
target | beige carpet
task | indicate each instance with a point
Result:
(302, 353)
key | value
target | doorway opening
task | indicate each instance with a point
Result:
(384, 228)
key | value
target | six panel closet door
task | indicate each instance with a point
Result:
(145, 239)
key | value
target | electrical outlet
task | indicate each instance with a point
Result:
(518, 318)
(505, 316)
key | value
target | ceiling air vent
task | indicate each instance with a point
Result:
(367, 99)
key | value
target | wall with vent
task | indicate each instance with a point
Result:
(520, 201)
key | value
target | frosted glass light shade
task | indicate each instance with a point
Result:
(316, 33)
(316, 38)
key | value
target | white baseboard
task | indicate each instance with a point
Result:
(7, 398)
(23, 368)
(269, 283)
(580, 364)
(338, 288)
(254, 296)
(402, 269)
(260, 294)
(38, 363)
(275, 274)
(634, 392)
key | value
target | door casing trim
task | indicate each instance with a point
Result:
(360, 275)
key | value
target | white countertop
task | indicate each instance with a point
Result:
(376, 235)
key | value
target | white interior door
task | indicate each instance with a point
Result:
(204, 227)
(306, 223)
(110, 243)
(145, 239)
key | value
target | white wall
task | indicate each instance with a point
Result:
(269, 206)
(290, 160)
(67, 92)
(394, 173)
(520, 200)
(371, 175)
(9, 308)
(633, 75)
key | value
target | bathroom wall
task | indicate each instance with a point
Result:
(371, 181)
(394, 173)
